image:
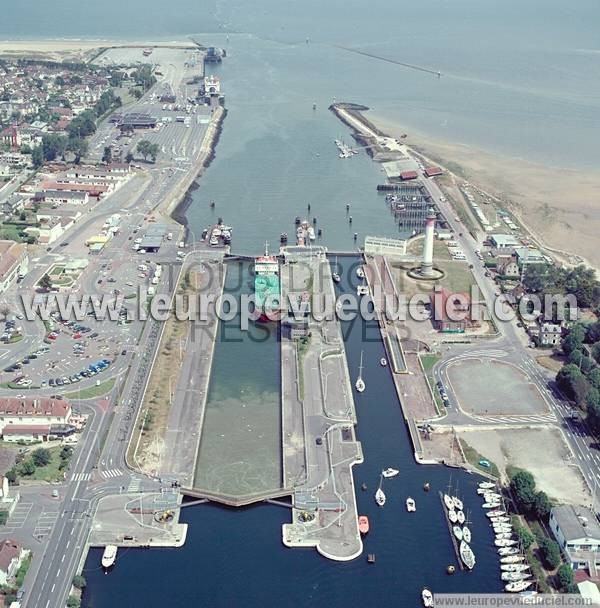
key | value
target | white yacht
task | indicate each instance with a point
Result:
(360, 273)
(466, 534)
(109, 556)
(380, 497)
(448, 501)
(503, 551)
(427, 597)
(389, 472)
(487, 485)
(383, 361)
(411, 507)
(460, 517)
(457, 503)
(466, 555)
(458, 533)
(517, 586)
(452, 516)
(512, 559)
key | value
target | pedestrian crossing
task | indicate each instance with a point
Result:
(81, 476)
(494, 353)
(111, 473)
(134, 486)
(517, 419)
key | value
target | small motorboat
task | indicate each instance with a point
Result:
(466, 555)
(492, 497)
(336, 277)
(458, 532)
(499, 519)
(460, 517)
(517, 586)
(503, 551)
(389, 472)
(109, 556)
(496, 513)
(457, 503)
(427, 597)
(383, 361)
(466, 534)
(360, 273)
(362, 290)
(448, 501)
(504, 542)
(487, 485)
(380, 497)
(452, 516)
(411, 507)
(363, 524)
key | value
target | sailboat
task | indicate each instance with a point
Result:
(448, 501)
(458, 532)
(517, 586)
(487, 485)
(466, 555)
(379, 495)
(389, 472)
(360, 383)
(460, 517)
(466, 534)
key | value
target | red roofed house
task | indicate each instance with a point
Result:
(406, 175)
(450, 312)
(11, 556)
(433, 171)
(27, 417)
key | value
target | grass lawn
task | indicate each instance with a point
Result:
(473, 457)
(428, 361)
(92, 391)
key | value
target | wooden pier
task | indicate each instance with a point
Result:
(452, 537)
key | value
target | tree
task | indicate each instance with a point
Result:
(574, 339)
(41, 457)
(525, 537)
(45, 282)
(27, 467)
(564, 577)
(572, 383)
(79, 147)
(578, 358)
(129, 158)
(73, 602)
(593, 377)
(79, 581)
(542, 505)
(522, 486)
(82, 125)
(37, 157)
(146, 149)
(107, 155)
(550, 552)
(592, 333)
(596, 352)
(11, 475)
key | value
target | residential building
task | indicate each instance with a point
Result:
(11, 557)
(11, 136)
(13, 262)
(450, 312)
(577, 532)
(508, 267)
(550, 334)
(59, 197)
(529, 255)
(37, 412)
(12, 205)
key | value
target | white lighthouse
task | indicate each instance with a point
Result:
(427, 261)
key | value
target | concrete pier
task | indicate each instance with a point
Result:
(319, 466)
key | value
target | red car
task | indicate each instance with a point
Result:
(76, 336)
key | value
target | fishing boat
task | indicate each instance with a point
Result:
(514, 567)
(363, 524)
(383, 361)
(460, 517)
(512, 559)
(466, 534)
(109, 556)
(517, 586)
(452, 516)
(458, 532)
(360, 383)
(448, 501)
(427, 597)
(486, 485)
(457, 503)
(360, 273)
(466, 555)
(496, 513)
(504, 542)
(411, 507)
(389, 472)
(503, 551)
(379, 495)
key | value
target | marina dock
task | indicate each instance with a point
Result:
(452, 537)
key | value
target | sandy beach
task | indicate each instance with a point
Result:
(561, 208)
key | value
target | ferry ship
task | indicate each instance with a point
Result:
(267, 292)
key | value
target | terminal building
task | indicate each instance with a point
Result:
(154, 237)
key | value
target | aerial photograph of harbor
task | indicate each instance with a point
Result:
(299, 304)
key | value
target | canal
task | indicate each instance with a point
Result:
(236, 558)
